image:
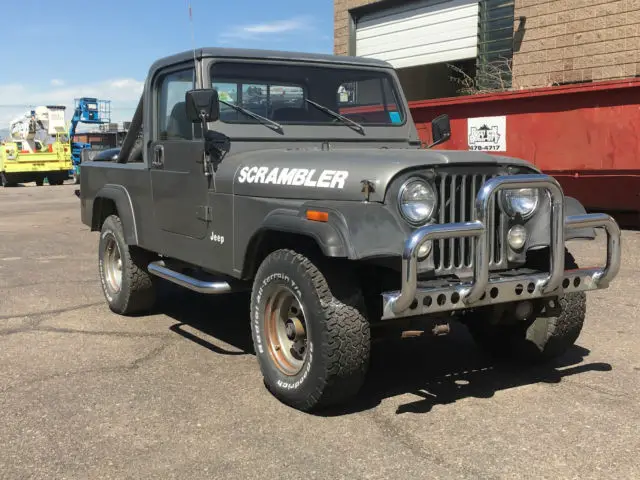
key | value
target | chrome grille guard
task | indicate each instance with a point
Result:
(486, 290)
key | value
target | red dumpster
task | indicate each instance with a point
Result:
(587, 136)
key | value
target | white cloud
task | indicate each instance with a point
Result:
(56, 82)
(123, 93)
(269, 29)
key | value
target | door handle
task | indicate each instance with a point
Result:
(158, 156)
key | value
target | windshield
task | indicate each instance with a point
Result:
(281, 93)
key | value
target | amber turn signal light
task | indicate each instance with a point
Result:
(317, 216)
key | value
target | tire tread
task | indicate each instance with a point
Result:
(140, 295)
(346, 340)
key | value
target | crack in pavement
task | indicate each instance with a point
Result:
(600, 389)
(134, 365)
(30, 328)
(50, 312)
(409, 441)
(37, 318)
(32, 284)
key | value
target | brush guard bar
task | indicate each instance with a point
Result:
(486, 289)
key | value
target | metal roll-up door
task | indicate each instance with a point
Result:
(420, 33)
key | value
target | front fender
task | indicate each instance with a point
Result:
(122, 200)
(367, 229)
(540, 228)
(573, 207)
(354, 230)
(330, 236)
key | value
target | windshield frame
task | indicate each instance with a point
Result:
(401, 131)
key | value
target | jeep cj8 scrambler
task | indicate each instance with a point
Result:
(301, 178)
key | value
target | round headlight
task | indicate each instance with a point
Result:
(521, 201)
(417, 201)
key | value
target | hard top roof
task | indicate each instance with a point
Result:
(259, 54)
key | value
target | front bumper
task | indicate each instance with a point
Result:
(485, 289)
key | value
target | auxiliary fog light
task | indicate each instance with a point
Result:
(424, 250)
(517, 237)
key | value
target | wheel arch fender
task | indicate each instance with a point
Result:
(121, 199)
(330, 237)
(572, 206)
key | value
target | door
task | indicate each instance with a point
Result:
(418, 33)
(178, 184)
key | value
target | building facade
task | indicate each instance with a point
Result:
(451, 47)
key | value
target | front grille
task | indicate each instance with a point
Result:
(457, 194)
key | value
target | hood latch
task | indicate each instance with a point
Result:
(368, 188)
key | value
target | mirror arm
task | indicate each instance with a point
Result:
(206, 158)
(438, 142)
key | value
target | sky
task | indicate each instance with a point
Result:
(53, 52)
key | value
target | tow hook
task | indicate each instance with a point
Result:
(441, 329)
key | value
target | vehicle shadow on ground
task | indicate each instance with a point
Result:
(225, 318)
(436, 370)
(443, 370)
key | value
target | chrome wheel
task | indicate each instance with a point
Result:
(286, 330)
(112, 264)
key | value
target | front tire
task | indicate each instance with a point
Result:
(313, 349)
(127, 285)
(543, 338)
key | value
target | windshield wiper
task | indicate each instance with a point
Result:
(347, 121)
(260, 118)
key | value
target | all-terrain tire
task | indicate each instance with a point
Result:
(337, 333)
(545, 337)
(137, 290)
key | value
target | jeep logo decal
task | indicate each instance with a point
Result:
(293, 176)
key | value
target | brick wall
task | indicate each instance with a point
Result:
(576, 40)
(563, 40)
(341, 23)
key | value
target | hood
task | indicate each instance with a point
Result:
(316, 174)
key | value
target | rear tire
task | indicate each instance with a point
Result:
(56, 179)
(313, 348)
(127, 285)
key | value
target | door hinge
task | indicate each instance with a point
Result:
(204, 213)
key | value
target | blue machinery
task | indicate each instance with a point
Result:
(91, 111)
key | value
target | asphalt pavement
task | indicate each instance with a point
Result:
(87, 394)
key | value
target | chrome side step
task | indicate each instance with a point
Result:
(212, 288)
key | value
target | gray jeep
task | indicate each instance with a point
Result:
(301, 179)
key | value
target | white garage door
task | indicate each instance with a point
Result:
(420, 33)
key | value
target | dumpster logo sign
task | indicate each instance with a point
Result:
(487, 134)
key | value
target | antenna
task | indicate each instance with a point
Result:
(193, 41)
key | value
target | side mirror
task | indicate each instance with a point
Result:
(202, 105)
(440, 130)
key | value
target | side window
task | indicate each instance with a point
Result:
(173, 123)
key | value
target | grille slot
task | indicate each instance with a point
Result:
(457, 194)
